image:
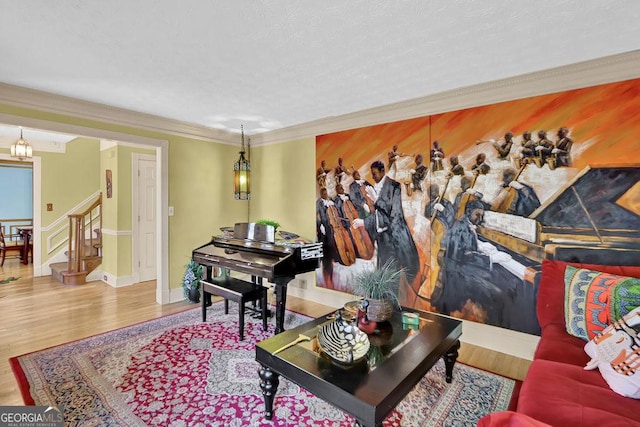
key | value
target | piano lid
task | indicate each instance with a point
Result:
(601, 197)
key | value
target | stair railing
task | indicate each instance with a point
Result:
(81, 227)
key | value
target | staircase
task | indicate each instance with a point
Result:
(85, 246)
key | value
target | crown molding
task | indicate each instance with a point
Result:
(43, 101)
(620, 67)
(623, 66)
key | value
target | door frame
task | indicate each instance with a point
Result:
(135, 206)
(161, 147)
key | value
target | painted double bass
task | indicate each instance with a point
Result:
(466, 197)
(361, 238)
(344, 245)
(370, 203)
(503, 204)
(438, 230)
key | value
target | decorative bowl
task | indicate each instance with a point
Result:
(353, 306)
(343, 342)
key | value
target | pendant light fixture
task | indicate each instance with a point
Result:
(21, 148)
(242, 174)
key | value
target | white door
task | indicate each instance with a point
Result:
(146, 216)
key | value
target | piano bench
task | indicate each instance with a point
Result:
(236, 290)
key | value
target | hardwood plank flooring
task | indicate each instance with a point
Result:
(37, 313)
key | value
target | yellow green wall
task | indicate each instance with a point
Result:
(201, 192)
(283, 185)
(70, 177)
(67, 179)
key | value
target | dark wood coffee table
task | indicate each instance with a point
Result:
(369, 390)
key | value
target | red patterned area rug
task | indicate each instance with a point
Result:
(178, 371)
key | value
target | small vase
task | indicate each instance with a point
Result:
(194, 294)
(379, 310)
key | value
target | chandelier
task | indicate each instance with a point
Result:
(21, 148)
(242, 174)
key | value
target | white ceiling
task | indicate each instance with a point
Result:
(10, 134)
(271, 64)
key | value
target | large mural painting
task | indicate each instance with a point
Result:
(468, 203)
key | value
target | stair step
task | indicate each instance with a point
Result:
(78, 278)
(60, 273)
(56, 270)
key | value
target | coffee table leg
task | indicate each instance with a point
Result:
(450, 358)
(269, 384)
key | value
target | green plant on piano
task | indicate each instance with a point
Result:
(274, 224)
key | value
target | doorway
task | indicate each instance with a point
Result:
(161, 147)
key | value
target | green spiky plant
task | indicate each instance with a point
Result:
(381, 283)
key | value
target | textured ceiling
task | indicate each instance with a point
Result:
(273, 64)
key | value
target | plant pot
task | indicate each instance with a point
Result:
(379, 310)
(194, 294)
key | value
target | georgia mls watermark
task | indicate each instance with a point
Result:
(31, 416)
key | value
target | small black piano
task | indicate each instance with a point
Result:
(253, 249)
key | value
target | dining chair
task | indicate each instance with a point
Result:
(8, 244)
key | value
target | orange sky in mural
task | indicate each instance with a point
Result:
(607, 117)
(365, 145)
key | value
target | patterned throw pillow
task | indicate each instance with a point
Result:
(616, 353)
(594, 300)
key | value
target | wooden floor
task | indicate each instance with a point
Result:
(36, 313)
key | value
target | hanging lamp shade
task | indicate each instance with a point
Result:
(21, 148)
(242, 174)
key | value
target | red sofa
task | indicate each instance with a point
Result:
(557, 391)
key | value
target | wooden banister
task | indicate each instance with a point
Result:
(79, 224)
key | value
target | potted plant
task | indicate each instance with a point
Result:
(274, 224)
(380, 288)
(191, 281)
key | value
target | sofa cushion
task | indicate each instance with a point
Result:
(556, 344)
(550, 302)
(616, 353)
(566, 395)
(509, 419)
(594, 299)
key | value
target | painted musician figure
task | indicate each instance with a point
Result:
(339, 201)
(335, 237)
(562, 152)
(466, 194)
(362, 242)
(481, 166)
(418, 174)
(340, 171)
(455, 168)
(324, 233)
(525, 201)
(358, 195)
(441, 207)
(321, 174)
(436, 155)
(388, 226)
(504, 149)
(527, 145)
(467, 270)
(542, 149)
